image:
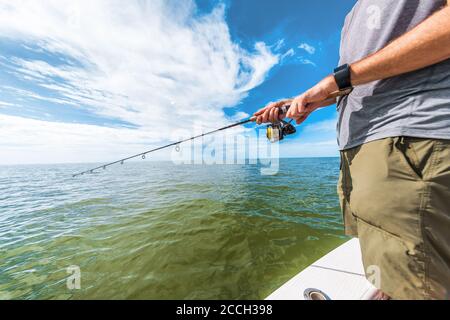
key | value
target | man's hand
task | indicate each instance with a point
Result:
(302, 106)
(271, 112)
(317, 97)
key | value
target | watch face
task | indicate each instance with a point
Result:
(343, 67)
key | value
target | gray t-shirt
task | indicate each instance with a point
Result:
(416, 104)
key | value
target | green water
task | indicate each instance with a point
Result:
(161, 231)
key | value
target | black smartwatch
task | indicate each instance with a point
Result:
(342, 76)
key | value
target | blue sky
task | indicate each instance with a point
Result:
(81, 80)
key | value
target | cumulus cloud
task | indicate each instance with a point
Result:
(27, 141)
(148, 63)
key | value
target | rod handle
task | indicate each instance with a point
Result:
(283, 110)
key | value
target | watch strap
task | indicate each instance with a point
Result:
(342, 75)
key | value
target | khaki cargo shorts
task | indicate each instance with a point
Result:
(395, 196)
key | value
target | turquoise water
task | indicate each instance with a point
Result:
(163, 231)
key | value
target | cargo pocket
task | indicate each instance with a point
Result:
(407, 157)
(392, 264)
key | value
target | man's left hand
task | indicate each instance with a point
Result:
(313, 99)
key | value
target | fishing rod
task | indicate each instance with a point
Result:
(275, 132)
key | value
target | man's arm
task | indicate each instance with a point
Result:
(425, 45)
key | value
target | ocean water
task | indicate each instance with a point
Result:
(163, 231)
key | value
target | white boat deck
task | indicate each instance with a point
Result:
(340, 275)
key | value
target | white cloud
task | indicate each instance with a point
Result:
(6, 104)
(279, 44)
(288, 54)
(303, 60)
(300, 149)
(322, 127)
(149, 63)
(240, 116)
(307, 47)
(27, 141)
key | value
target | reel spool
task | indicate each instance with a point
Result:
(279, 130)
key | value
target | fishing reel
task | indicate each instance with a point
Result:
(279, 130)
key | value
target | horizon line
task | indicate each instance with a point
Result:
(141, 161)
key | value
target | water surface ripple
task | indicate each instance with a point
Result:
(161, 231)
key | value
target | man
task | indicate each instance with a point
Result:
(394, 136)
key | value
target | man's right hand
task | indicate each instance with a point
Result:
(271, 112)
(321, 95)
